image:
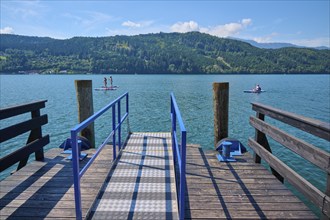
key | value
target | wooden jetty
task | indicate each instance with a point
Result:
(240, 190)
(154, 175)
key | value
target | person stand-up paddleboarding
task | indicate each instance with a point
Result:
(105, 82)
(111, 81)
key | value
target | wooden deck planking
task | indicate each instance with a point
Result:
(44, 190)
(236, 190)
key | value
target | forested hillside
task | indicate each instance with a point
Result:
(154, 53)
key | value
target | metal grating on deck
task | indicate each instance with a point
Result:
(142, 183)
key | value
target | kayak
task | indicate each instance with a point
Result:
(253, 91)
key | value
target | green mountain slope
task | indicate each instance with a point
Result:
(192, 52)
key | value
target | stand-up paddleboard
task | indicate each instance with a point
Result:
(253, 91)
(106, 88)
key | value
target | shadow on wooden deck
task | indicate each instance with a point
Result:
(45, 189)
(241, 189)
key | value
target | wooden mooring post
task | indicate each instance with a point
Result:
(85, 107)
(220, 109)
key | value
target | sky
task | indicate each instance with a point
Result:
(301, 22)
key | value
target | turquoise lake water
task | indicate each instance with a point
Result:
(307, 95)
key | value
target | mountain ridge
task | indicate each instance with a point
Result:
(177, 53)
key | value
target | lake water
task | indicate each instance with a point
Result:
(307, 95)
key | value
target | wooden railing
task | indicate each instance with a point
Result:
(306, 150)
(35, 142)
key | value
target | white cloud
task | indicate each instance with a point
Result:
(131, 24)
(7, 30)
(246, 21)
(230, 29)
(183, 27)
(225, 30)
(140, 24)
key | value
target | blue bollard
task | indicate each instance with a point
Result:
(226, 149)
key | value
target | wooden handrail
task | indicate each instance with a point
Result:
(312, 126)
(36, 141)
(311, 192)
(307, 151)
(21, 109)
(15, 156)
(23, 127)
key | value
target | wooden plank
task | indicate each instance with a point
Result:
(22, 153)
(308, 151)
(38, 191)
(313, 126)
(248, 206)
(225, 213)
(21, 128)
(21, 109)
(237, 190)
(244, 199)
(310, 191)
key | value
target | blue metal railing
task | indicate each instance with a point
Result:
(179, 153)
(77, 173)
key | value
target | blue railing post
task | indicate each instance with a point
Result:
(76, 178)
(179, 153)
(114, 129)
(119, 126)
(173, 121)
(183, 174)
(127, 103)
(77, 173)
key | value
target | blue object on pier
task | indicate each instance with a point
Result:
(235, 148)
(226, 148)
(85, 144)
(81, 155)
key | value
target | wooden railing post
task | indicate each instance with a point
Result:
(85, 107)
(220, 109)
(261, 139)
(35, 134)
(327, 192)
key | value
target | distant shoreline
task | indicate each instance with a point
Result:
(179, 74)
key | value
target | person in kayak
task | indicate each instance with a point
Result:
(105, 82)
(258, 88)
